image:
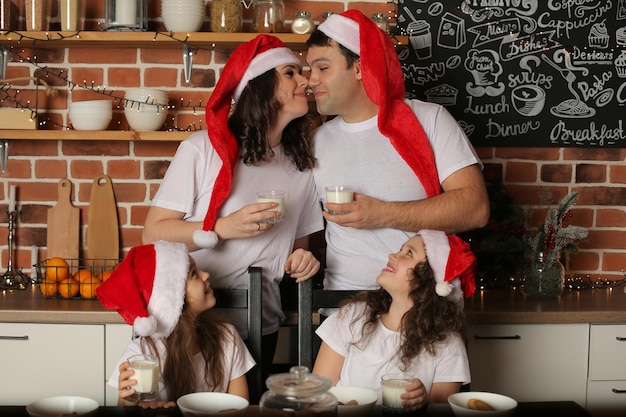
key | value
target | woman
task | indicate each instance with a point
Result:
(159, 290)
(413, 324)
(207, 199)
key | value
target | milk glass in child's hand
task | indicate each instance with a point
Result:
(393, 386)
(146, 369)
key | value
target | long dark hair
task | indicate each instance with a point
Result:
(431, 319)
(251, 120)
(178, 375)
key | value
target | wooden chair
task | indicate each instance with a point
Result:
(311, 299)
(249, 299)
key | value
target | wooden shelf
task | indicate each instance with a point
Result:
(91, 39)
(118, 135)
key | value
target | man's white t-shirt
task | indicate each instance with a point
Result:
(237, 361)
(187, 187)
(364, 365)
(358, 155)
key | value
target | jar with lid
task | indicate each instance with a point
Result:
(302, 23)
(325, 15)
(299, 392)
(268, 16)
(226, 15)
(381, 21)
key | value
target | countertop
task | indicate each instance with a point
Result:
(492, 306)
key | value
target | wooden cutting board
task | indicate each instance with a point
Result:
(63, 225)
(103, 240)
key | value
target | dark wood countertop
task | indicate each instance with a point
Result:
(30, 306)
(510, 306)
(492, 306)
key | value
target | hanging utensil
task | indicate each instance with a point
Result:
(187, 62)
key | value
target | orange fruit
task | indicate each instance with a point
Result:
(48, 288)
(105, 275)
(88, 287)
(57, 269)
(69, 288)
(83, 275)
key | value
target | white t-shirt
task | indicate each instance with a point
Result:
(237, 361)
(365, 365)
(357, 154)
(187, 187)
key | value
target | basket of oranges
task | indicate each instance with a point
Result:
(73, 278)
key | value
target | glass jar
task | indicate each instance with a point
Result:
(325, 15)
(298, 392)
(381, 21)
(543, 277)
(303, 23)
(268, 16)
(37, 14)
(226, 16)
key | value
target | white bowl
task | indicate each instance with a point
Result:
(364, 397)
(203, 404)
(146, 118)
(183, 22)
(94, 117)
(503, 405)
(62, 405)
(143, 94)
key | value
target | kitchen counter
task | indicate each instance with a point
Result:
(510, 306)
(493, 306)
(30, 306)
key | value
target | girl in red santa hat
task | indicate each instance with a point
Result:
(160, 291)
(413, 324)
(257, 139)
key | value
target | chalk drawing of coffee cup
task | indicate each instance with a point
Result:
(484, 66)
(420, 38)
(528, 100)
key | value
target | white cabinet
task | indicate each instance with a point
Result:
(117, 337)
(41, 360)
(531, 362)
(606, 390)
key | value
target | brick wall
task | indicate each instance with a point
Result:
(535, 177)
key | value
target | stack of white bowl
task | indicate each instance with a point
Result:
(145, 108)
(183, 15)
(91, 114)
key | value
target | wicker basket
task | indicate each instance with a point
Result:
(78, 280)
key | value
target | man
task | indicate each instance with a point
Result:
(409, 163)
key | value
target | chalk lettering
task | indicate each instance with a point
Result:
(591, 135)
(499, 130)
(487, 108)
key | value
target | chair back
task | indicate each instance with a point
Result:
(309, 300)
(251, 300)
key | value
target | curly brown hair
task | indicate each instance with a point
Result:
(431, 319)
(251, 120)
(177, 372)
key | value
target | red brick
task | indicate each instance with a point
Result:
(160, 77)
(590, 173)
(605, 239)
(617, 174)
(613, 261)
(86, 169)
(103, 55)
(581, 154)
(89, 77)
(95, 148)
(17, 168)
(521, 172)
(123, 168)
(157, 149)
(130, 237)
(556, 173)
(585, 261)
(606, 217)
(123, 77)
(138, 215)
(50, 168)
(535, 154)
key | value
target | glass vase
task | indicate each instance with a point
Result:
(543, 278)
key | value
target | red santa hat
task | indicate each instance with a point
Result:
(148, 288)
(248, 61)
(453, 264)
(383, 81)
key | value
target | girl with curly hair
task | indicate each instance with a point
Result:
(413, 324)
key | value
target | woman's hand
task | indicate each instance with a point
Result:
(125, 384)
(415, 396)
(246, 222)
(302, 265)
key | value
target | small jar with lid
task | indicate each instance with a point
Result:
(268, 16)
(381, 21)
(226, 15)
(303, 23)
(299, 392)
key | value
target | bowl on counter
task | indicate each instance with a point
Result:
(463, 404)
(205, 404)
(354, 401)
(61, 406)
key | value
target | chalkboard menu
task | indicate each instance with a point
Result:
(521, 72)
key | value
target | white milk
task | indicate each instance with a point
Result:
(273, 197)
(337, 194)
(147, 376)
(392, 389)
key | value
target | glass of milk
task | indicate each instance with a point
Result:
(338, 194)
(273, 196)
(393, 385)
(146, 369)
